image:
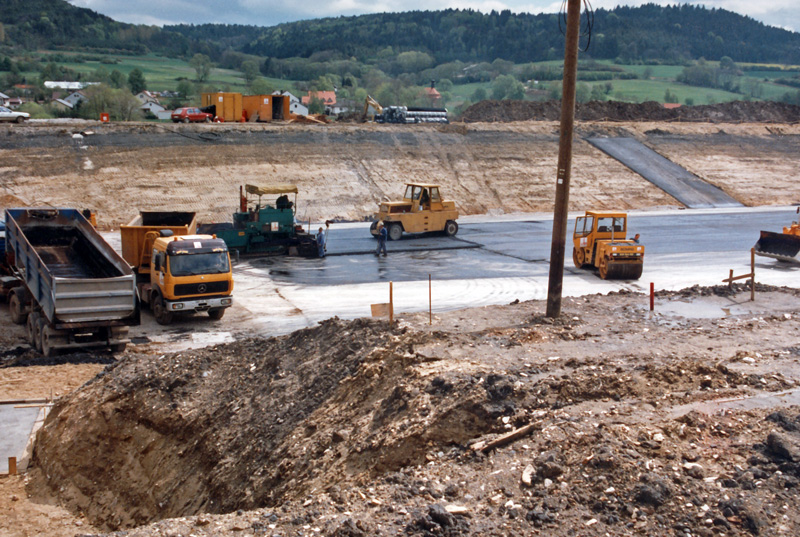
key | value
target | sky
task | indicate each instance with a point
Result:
(779, 13)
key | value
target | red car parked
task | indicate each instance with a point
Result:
(193, 115)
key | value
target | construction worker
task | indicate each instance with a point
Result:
(383, 234)
(322, 239)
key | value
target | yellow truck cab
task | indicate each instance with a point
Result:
(599, 242)
(190, 273)
(177, 270)
(423, 209)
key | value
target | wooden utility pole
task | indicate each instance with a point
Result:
(560, 212)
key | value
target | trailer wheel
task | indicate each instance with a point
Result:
(216, 314)
(16, 307)
(160, 312)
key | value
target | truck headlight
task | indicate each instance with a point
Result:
(177, 306)
(226, 301)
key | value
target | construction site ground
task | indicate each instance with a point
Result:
(677, 421)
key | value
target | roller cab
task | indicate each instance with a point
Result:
(600, 242)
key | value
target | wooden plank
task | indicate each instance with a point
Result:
(24, 401)
(507, 438)
(742, 277)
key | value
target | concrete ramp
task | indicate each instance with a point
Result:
(665, 174)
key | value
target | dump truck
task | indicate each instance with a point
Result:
(72, 290)
(781, 246)
(265, 226)
(599, 242)
(178, 272)
(421, 210)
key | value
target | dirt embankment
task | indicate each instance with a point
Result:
(344, 171)
(731, 112)
(356, 429)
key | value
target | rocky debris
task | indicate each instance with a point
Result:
(437, 522)
(731, 112)
(357, 428)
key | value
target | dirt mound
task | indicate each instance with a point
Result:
(731, 112)
(355, 429)
(244, 425)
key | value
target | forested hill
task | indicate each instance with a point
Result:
(27, 25)
(670, 34)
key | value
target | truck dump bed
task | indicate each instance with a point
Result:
(69, 269)
(134, 234)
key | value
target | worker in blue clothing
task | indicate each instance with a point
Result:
(322, 240)
(383, 234)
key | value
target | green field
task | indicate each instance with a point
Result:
(165, 73)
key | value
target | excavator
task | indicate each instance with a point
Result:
(369, 101)
(781, 246)
(599, 242)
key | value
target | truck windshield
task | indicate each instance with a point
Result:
(194, 264)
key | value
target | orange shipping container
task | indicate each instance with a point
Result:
(229, 105)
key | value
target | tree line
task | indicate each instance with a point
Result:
(669, 34)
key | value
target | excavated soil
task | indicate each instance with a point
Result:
(358, 428)
(731, 112)
(344, 171)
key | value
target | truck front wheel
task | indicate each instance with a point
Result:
(216, 314)
(451, 228)
(160, 312)
(16, 306)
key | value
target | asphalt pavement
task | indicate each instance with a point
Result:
(497, 260)
(673, 179)
(512, 245)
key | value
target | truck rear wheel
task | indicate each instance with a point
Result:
(41, 326)
(16, 306)
(45, 340)
(216, 314)
(451, 228)
(32, 330)
(160, 312)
